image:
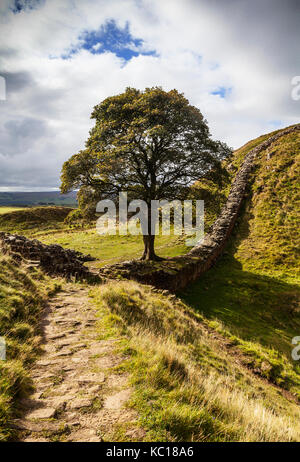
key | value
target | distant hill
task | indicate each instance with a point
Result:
(37, 198)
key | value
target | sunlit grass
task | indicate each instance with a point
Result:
(187, 385)
(9, 209)
(109, 249)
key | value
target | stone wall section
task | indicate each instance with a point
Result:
(53, 259)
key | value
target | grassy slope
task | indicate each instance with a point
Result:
(29, 221)
(200, 381)
(211, 377)
(22, 296)
(257, 278)
(190, 382)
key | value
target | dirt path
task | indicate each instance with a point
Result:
(78, 396)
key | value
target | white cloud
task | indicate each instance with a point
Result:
(201, 46)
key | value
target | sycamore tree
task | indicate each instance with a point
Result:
(152, 144)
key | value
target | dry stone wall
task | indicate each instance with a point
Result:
(53, 259)
(178, 272)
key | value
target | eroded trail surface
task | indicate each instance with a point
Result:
(78, 394)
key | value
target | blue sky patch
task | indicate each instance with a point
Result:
(111, 38)
(20, 5)
(223, 92)
(276, 123)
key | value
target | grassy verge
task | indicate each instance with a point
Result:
(189, 384)
(22, 297)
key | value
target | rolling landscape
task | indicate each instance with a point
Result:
(149, 227)
(199, 365)
(19, 199)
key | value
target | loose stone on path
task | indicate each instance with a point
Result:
(75, 390)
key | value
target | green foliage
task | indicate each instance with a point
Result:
(73, 217)
(151, 144)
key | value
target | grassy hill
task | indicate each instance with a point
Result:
(257, 279)
(231, 379)
(214, 362)
(29, 221)
(191, 380)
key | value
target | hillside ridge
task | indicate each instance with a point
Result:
(176, 273)
(138, 363)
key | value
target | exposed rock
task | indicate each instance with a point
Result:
(63, 353)
(85, 435)
(79, 403)
(56, 336)
(53, 259)
(43, 413)
(91, 379)
(44, 362)
(117, 400)
(35, 440)
(37, 426)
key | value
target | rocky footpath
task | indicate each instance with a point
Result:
(78, 395)
(53, 259)
(176, 273)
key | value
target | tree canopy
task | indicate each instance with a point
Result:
(152, 144)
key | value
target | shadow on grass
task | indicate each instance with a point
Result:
(254, 307)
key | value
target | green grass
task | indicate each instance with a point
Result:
(112, 249)
(255, 307)
(254, 289)
(189, 383)
(22, 297)
(32, 220)
(269, 239)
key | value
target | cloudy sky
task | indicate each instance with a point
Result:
(234, 59)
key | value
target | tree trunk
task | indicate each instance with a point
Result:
(149, 253)
(148, 238)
